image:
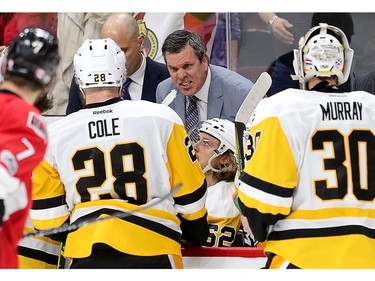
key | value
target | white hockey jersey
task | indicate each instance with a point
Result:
(117, 157)
(308, 187)
(224, 218)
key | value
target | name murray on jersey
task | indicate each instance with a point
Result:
(341, 111)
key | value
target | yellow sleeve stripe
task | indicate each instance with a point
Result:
(328, 213)
(194, 216)
(46, 224)
(261, 206)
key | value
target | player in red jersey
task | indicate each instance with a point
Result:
(29, 71)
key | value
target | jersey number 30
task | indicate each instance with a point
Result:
(361, 164)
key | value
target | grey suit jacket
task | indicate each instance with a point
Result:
(228, 90)
(365, 82)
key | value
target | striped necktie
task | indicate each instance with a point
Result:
(192, 118)
(125, 89)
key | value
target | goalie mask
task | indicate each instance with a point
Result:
(224, 131)
(323, 52)
(99, 63)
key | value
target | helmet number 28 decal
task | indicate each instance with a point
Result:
(100, 77)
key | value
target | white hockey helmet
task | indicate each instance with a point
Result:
(99, 63)
(224, 131)
(323, 51)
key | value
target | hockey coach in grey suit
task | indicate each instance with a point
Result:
(220, 91)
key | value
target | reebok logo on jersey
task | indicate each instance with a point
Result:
(104, 111)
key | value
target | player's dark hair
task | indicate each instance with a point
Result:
(23, 81)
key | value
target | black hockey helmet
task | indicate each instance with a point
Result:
(33, 54)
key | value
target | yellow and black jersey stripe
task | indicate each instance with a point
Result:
(38, 252)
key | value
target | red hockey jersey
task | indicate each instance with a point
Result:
(23, 141)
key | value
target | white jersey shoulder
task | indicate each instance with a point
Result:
(295, 102)
(219, 201)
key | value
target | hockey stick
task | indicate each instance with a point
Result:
(256, 94)
(121, 215)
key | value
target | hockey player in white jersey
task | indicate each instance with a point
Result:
(215, 150)
(114, 156)
(308, 189)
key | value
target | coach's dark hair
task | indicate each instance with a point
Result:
(179, 39)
